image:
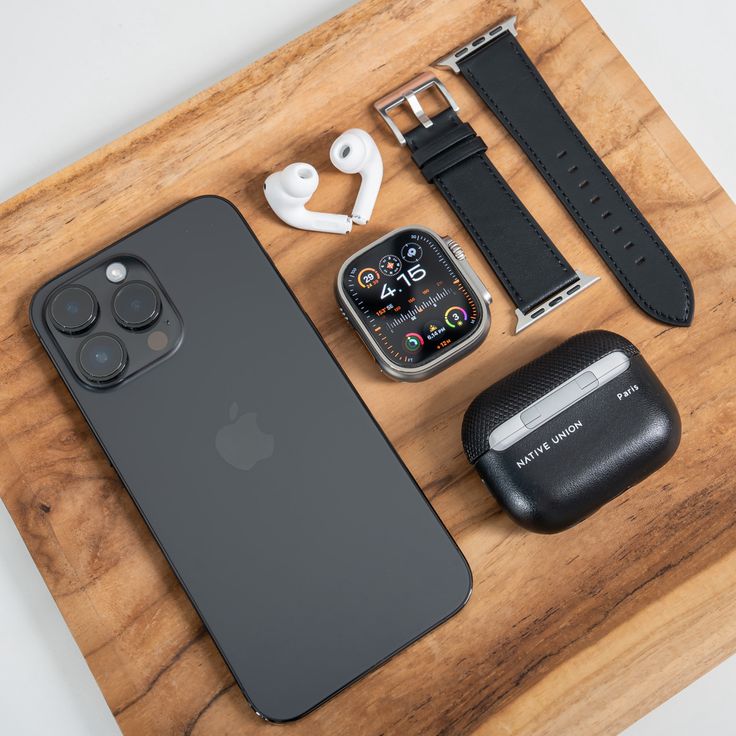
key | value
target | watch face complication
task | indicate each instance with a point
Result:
(411, 298)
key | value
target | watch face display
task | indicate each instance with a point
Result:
(410, 297)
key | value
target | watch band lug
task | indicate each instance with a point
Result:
(451, 60)
(556, 300)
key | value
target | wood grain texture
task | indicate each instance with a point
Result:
(582, 632)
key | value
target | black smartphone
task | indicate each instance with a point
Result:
(302, 540)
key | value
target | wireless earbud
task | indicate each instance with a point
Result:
(288, 192)
(355, 152)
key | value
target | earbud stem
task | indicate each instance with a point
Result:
(368, 193)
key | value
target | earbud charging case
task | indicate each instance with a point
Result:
(568, 432)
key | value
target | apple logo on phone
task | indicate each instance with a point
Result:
(241, 443)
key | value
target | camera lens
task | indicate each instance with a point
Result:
(73, 309)
(102, 357)
(136, 305)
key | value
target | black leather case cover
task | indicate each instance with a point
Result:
(571, 465)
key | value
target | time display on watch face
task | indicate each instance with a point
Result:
(410, 297)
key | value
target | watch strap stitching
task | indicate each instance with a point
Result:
(478, 239)
(517, 204)
(481, 241)
(419, 139)
(596, 161)
(503, 185)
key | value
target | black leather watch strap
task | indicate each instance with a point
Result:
(506, 79)
(536, 275)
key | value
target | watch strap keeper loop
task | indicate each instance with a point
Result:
(453, 156)
(449, 138)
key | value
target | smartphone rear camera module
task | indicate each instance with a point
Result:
(102, 357)
(112, 321)
(136, 305)
(73, 310)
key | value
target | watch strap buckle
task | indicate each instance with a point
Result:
(407, 94)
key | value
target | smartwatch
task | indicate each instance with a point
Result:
(414, 301)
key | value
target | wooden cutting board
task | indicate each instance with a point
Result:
(581, 632)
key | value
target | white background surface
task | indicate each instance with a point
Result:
(78, 73)
(45, 684)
